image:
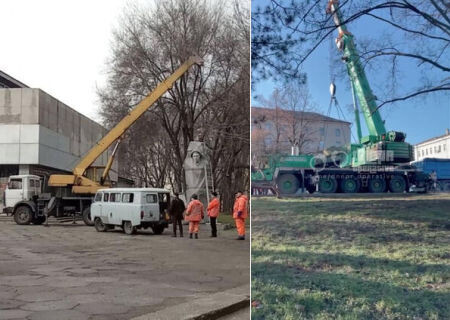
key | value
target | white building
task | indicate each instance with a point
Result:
(438, 147)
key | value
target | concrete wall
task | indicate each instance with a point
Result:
(36, 128)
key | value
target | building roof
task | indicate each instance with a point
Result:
(307, 115)
(435, 138)
(9, 82)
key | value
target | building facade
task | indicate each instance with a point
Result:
(278, 130)
(437, 147)
(41, 135)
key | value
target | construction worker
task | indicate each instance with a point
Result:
(213, 213)
(240, 213)
(176, 210)
(194, 214)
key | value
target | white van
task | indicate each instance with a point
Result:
(131, 209)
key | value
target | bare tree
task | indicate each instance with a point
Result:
(206, 104)
(299, 125)
(285, 33)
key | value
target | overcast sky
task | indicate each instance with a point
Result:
(60, 47)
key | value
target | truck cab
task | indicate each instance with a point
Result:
(21, 188)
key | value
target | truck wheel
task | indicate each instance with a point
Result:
(350, 185)
(99, 225)
(128, 228)
(39, 220)
(23, 215)
(327, 185)
(377, 185)
(87, 217)
(397, 184)
(158, 229)
(287, 183)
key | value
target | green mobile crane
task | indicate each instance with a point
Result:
(377, 163)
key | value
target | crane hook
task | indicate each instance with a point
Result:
(332, 90)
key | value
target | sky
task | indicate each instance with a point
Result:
(420, 119)
(60, 47)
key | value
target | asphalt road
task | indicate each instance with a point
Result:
(67, 271)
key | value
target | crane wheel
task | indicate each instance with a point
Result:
(288, 183)
(350, 185)
(23, 215)
(377, 185)
(397, 184)
(327, 184)
(87, 217)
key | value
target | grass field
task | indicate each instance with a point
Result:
(357, 257)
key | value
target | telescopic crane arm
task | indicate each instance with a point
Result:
(360, 84)
(80, 183)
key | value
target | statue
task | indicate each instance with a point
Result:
(195, 170)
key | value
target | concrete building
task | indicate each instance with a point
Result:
(312, 131)
(6, 81)
(437, 147)
(41, 135)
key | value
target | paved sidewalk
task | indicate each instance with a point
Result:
(72, 272)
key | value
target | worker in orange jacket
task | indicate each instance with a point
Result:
(213, 212)
(194, 214)
(240, 213)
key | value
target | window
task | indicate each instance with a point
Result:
(439, 149)
(431, 150)
(444, 147)
(15, 184)
(151, 198)
(114, 197)
(106, 197)
(32, 184)
(163, 197)
(338, 143)
(423, 153)
(338, 132)
(38, 184)
(321, 145)
(127, 197)
(98, 197)
(322, 131)
(426, 151)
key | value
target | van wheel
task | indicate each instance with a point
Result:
(158, 229)
(99, 225)
(128, 228)
(23, 215)
(87, 217)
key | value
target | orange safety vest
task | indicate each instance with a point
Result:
(213, 208)
(240, 204)
(194, 211)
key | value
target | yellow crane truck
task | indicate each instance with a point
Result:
(74, 192)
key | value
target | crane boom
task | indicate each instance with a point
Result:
(366, 98)
(80, 183)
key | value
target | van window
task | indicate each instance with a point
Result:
(32, 184)
(114, 197)
(127, 197)
(15, 184)
(163, 197)
(106, 197)
(98, 197)
(151, 198)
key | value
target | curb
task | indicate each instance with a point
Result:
(218, 313)
(204, 307)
